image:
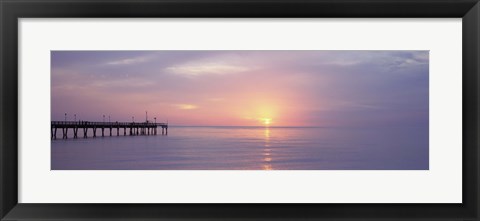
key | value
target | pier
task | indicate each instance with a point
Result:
(128, 128)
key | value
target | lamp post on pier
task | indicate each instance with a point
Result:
(104, 118)
(65, 117)
(155, 120)
(75, 117)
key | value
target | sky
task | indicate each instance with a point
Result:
(243, 88)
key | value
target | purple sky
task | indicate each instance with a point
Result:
(278, 88)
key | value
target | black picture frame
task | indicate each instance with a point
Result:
(12, 10)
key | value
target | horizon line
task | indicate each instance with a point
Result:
(174, 125)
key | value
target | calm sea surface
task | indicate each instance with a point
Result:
(247, 148)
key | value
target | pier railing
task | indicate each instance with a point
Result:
(107, 124)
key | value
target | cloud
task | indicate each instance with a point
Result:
(197, 69)
(422, 56)
(356, 105)
(186, 106)
(388, 59)
(128, 61)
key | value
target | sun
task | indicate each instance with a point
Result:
(266, 121)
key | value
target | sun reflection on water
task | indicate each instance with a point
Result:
(267, 155)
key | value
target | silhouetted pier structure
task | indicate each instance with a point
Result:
(129, 128)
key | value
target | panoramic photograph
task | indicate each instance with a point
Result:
(240, 110)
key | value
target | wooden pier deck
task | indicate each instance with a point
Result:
(129, 128)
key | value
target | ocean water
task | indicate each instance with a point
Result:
(248, 148)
